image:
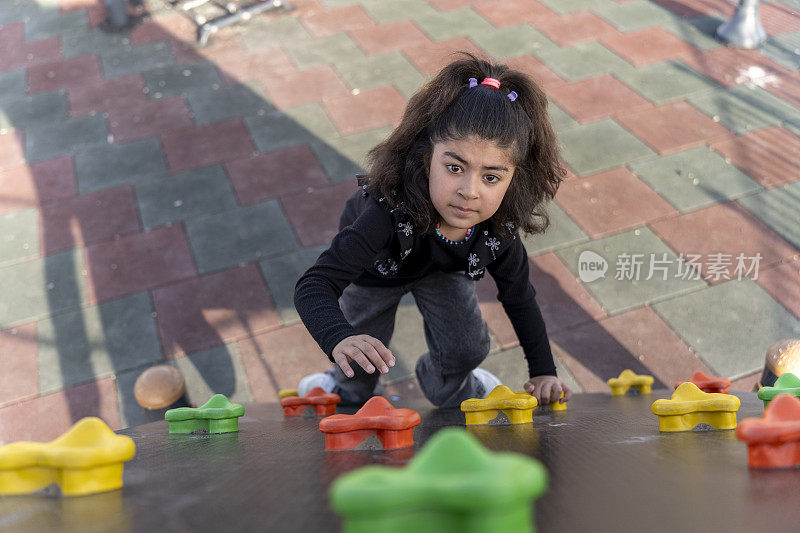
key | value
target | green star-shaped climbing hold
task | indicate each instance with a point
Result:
(217, 415)
(453, 484)
(787, 383)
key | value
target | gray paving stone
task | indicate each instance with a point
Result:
(34, 110)
(585, 60)
(573, 6)
(83, 344)
(17, 12)
(778, 208)
(562, 232)
(63, 137)
(617, 295)
(784, 49)
(114, 164)
(282, 273)
(746, 108)
(262, 32)
(313, 52)
(344, 157)
(559, 118)
(512, 369)
(33, 289)
(210, 105)
(694, 178)
(129, 60)
(93, 42)
(239, 236)
(13, 86)
(178, 79)
(665, 82)
(53, 23)
(633, 16)
(184, 196)
(699, 32)
(442, 25)
(730, 325)
(19, 235)
(290, 127)
(600, 145)
(384, 11)
(512, 41)
(370, 72)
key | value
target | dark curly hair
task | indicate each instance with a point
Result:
(445, 109)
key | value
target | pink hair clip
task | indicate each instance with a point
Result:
(491, 82)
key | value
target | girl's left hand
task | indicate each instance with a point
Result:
(548, 389)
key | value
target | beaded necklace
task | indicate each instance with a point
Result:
(448, 241)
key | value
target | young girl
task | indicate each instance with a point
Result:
(470, 164)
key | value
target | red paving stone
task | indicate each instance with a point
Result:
(723, 229)
(314, 215)
(330, 22)
(691, 9)
(279, 359)
(65, 73)
(778, 18)
(215, 309)
(367, 110)
(503, 13)
(672, 127)
(611, 201)
(429, 57)
(46, 417)
(12, 148)
(164, 28)
(19, 360)
(138, 262)
(277, 173)
(747, 383)
(770, 156)
(786, 87)
(595, 98)
(236, 64)
(201, 146)
(546, 78)
(16, 53)
(293, 88)
(730, 66)
(575, 28)
(389, 37)
(149, 119)
(652, 45)
(782, 281)
(88, 219)
(115, 93)
(637, 339)
(25, 186)
(563, 300)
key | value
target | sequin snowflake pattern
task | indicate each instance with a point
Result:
(493, 245)
(405, 227)
(387, 267)
(473, 259)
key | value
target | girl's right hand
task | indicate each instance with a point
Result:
(364, 350)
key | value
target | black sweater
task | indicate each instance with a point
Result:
(377, 246)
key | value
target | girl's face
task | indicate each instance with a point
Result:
(467, 181)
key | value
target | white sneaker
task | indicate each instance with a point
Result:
(320, 379)
(488, 380)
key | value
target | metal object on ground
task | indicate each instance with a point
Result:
(117, 13)
(744, 29)
(783, 356)
(218, 14)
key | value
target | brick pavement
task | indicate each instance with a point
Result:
(158, 200)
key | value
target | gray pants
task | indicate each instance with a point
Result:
(456, 334)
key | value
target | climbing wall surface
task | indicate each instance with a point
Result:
(610, 470)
